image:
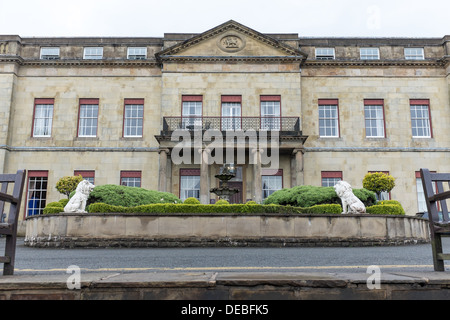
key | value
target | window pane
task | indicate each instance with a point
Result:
(328, 121)
(43, 117)
(374, 120)
(420, 121)
(88, 121)
(189, 187)
(270, 184)
(133, 125)
(37, 195)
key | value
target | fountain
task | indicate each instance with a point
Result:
(224, 191)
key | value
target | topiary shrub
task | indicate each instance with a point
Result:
(386, 209)
(308, 196)
(66, 185)
(191, 200)
(379, 182)
(222, 202)
(50, 210)
(129, 196)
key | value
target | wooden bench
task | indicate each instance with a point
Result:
(435, 198)
(9, 228)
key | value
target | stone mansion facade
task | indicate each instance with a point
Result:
(332, 108)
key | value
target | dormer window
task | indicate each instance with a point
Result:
(369, 53)
(95, 53)
(137, 53)
(49, 53)
(325, 54)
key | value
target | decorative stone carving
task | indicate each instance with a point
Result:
(78, 202)
(350, 203)
(231, 43)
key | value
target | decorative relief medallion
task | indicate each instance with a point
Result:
(231, 43)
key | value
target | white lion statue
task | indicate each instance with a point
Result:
(78, 202)
(350, 203)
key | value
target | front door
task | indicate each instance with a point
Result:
(237, 197)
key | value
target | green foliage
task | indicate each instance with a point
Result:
(63, 202)
(323, 208)
(54, 204)
(392, 209)
(222, 202)
(68, 184)
(129, 196)
(251, 202)
(378, 182)
(191, 200)
(50, 210)
(308, 196)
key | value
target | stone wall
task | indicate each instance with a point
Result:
(152, 230)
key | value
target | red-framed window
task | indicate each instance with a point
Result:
(330, 178)
(191, 111)
(88, 175)
(36, 197)
(231, 112)
(42, 117)
(88, 118)
(374, 118)
(421, 118)
(133, 118)
(130, 178)
(272, 180)
(270, 112)
(189, 183)
(329, 118)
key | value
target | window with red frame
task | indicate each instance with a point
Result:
(130, 178)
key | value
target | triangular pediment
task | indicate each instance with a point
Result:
(231, 40)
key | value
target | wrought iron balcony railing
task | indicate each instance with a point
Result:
(282, 124)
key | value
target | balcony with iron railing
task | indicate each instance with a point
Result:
(285, 125)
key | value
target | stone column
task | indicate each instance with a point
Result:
(204, 176)
(257, 178)
(297, 178)
(162, 183)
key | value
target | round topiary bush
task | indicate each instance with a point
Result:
(222, 202)
(129, 196)
(191, 200)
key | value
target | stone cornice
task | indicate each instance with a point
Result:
(440, 63)
(78, 62)
(251, 59)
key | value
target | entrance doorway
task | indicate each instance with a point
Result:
(237, 197)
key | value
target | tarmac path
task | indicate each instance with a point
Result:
(410, 258)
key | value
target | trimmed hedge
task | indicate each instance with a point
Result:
(308, 196)
(55, 207)
(214, 208)
(391, 209)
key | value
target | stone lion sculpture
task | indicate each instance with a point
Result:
(78, 202)
(350, 203)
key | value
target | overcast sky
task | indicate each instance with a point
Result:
(153, 18)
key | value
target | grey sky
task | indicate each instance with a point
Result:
(315, 18)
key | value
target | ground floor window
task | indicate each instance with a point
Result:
(130, 178)
(88, 175)
(330, 178)
(189, 184)
(36, 192)
(271, 182)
